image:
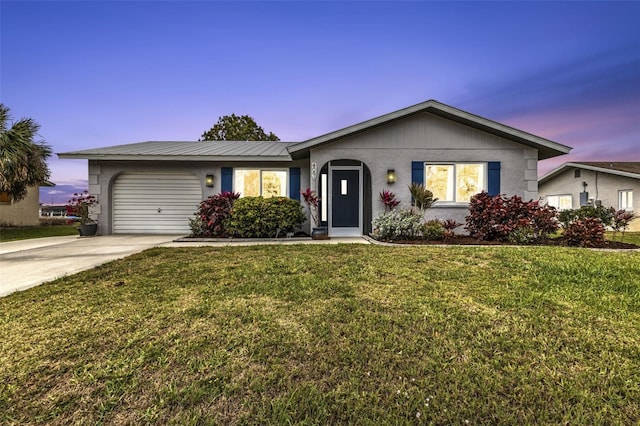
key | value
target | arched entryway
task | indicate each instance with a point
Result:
(345, 192)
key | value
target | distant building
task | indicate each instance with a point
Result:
(24, 212)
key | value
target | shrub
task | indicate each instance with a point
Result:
(605, 215)
(212, 214)
(258, 217)
(397, 225)
(621, 220)
(587, 232)
(498, 217)
(433, 230)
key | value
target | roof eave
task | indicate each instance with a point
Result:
(198, 158)
(565, 166)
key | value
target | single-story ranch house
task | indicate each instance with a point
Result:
(609, 184)
(155, 187)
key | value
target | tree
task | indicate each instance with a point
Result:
(23, 160)
(237, 128)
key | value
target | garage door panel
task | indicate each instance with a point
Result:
(138, 196)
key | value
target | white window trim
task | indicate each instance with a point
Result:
(629, 196)
(262, 169)
(442, 203)
(560, 195)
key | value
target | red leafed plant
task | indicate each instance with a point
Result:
(587, 232)
(388, 198)
(79, 206)
(621, 220)
(213, 212)
(501, 218)
(312, 201)
(449, 225)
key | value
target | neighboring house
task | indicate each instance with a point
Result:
(25, 212)
(155, 187)
(606, 183)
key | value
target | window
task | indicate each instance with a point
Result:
(268, 183)
(560, 202)
(625, 198)
(455, 182)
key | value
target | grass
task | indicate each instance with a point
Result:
(329, 335)
(28, 232)
(629, 237)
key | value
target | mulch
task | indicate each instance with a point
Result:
(465, 240)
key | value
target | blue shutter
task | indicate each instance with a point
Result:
(417, 172)
(226, 179)
(294, 183)
(493, 177)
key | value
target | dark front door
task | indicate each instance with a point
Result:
(345, 199)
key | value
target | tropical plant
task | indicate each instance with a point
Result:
(212, 214)
(587, 232)
(449, 226)
(80, 205)
(23, 160)
(388, 198)
(312, 201)
(422, 197)
(237, 128)
(498, 217)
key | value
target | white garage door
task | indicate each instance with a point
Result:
(155, 203)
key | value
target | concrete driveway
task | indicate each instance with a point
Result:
(28, 263)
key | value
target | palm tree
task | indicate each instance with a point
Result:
(23, 160)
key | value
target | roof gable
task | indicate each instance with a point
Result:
(545, 147)
(626, 169)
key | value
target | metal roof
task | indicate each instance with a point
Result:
(628, 169)
(191, 151)
(545, 147)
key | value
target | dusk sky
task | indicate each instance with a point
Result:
(98, 73)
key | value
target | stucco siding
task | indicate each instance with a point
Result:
(425, 137)
(600, 186)
(23, 212)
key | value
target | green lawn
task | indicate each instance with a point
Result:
(629, 237)
(27, 232)
(347, 334)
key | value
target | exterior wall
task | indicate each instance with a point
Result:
(425, 137)
(22, 213)
(600, 186)
(102, 175)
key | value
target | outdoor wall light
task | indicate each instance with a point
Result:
(209, 181)
(391, 176)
